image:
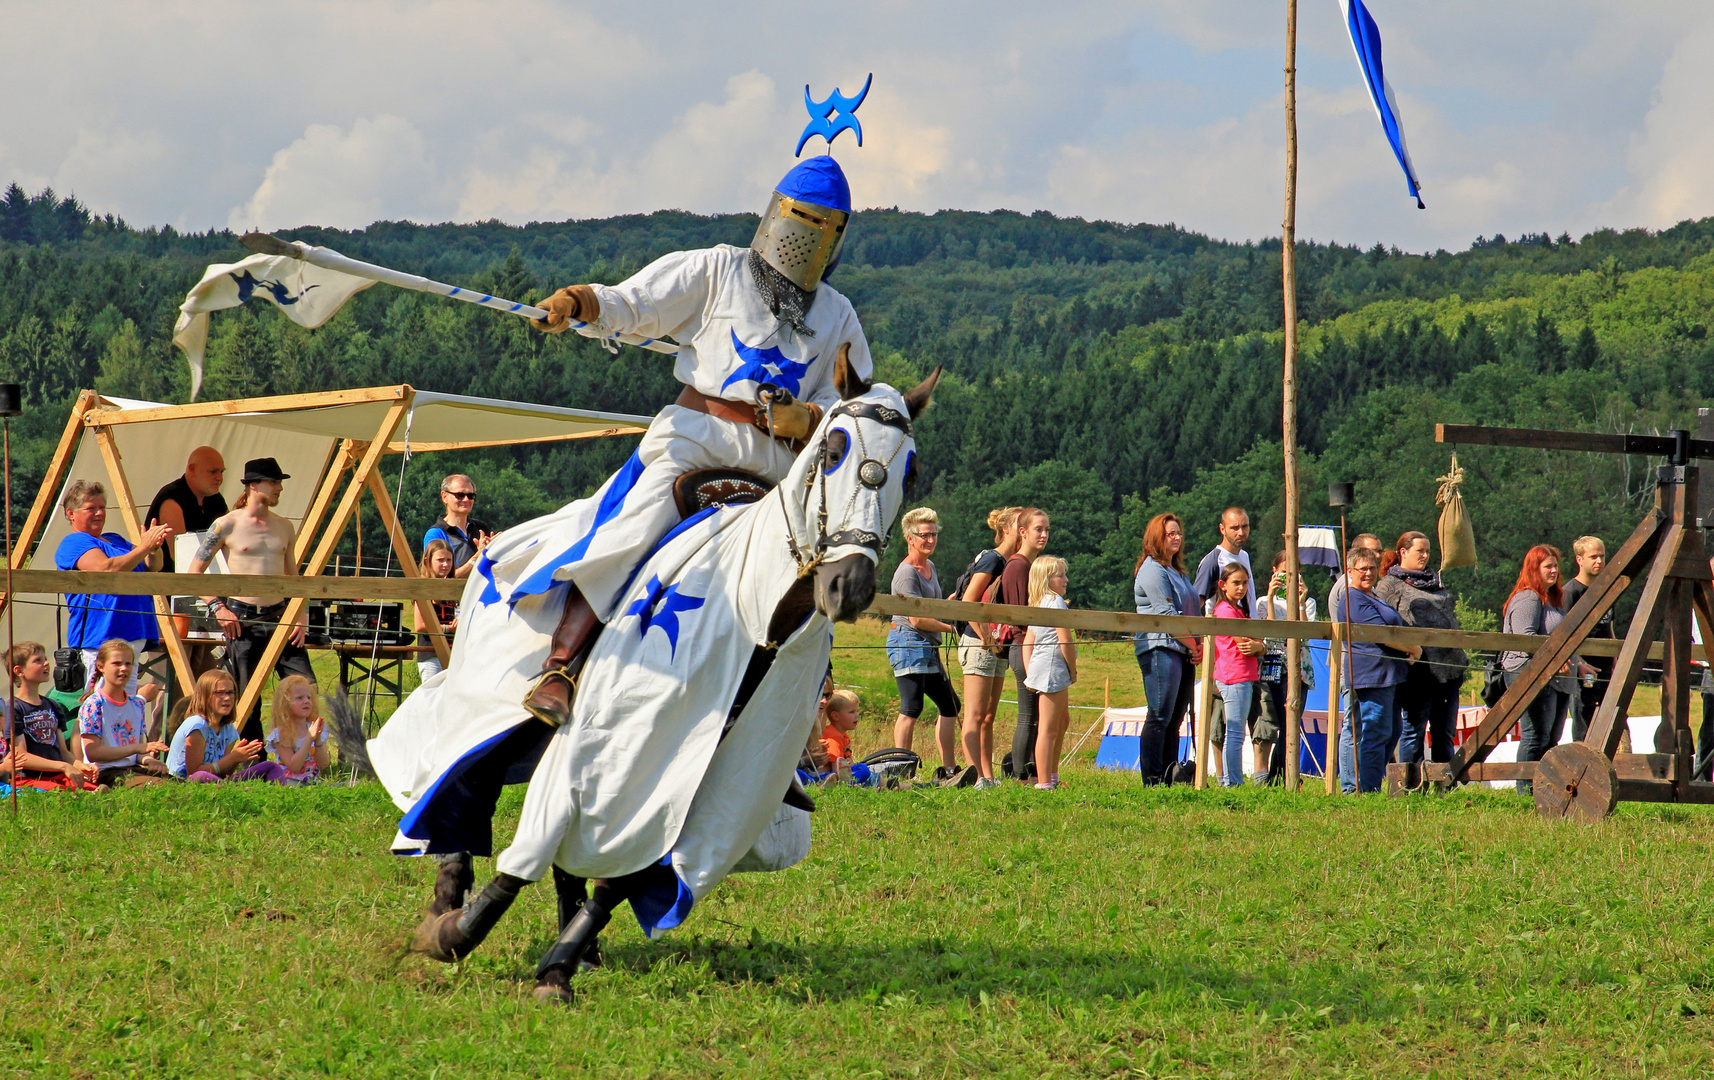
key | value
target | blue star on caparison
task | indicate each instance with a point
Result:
(767, 366)
(660, 606)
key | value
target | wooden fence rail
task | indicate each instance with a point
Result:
(410, 589)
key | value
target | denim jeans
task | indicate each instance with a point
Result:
(1540, 726)
(1427, 707)
(1024, 736)
(1378, 714)
(1238, 697)
(1168, 683)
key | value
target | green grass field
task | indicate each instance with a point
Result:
(1103, 930)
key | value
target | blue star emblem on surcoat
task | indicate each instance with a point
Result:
(660, 606)
(767, 366)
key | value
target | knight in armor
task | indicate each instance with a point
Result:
(759, 331)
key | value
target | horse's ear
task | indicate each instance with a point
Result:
(845, 379)
(916, 398)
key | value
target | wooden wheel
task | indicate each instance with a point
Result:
(1575, 781)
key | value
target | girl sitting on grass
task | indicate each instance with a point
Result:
(1050, 666)
(206, 747)
(299, 738)
(111, 723)
(1237, 669)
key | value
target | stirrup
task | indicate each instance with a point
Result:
(540, 712)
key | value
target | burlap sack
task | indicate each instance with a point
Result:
(1457, 538)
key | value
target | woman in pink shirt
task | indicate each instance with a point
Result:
(1237, 669)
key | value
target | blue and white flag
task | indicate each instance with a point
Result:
(1366, 39)
(1318, 545)
(309, 295)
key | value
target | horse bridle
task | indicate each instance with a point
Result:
(872, 473)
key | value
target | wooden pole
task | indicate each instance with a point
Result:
(1288, 417)
(13, 730)
(1350, 672)
(430, 622)
(252, 693)
(1204, 711)
(127, 507)
(44, 505)
(1335, 669)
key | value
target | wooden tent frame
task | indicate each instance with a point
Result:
(1585, 780)
(324, 521)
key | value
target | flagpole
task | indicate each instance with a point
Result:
(1288, 419)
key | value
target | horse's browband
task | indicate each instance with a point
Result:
(868, 410)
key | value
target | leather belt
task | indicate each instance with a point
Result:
(737, 412)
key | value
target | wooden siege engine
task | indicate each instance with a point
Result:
(1585, 780)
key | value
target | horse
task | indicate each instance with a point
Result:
(693, 706)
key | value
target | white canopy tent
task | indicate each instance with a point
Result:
(136, 447)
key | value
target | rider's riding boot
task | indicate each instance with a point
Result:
(553, 975)
(454, 935)
(572, 893)
(452, 884)
(549, 700)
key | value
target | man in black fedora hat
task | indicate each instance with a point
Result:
(256, 541)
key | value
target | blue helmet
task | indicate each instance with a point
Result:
(803, 229)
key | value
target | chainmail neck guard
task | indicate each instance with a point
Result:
(789, 303)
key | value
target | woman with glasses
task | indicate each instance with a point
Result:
(913, 646)
(464, 535)
(99, 617)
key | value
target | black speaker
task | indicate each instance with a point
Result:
(11, 399)
(1341, 494)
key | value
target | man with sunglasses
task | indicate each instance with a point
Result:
(465, 535)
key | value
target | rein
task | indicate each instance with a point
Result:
(871, 473)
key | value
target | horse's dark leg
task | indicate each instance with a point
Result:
(570, 952)
(452, 884)
(454, 935)
(549, 700)
(572, 893)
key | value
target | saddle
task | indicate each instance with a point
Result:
(700, 489)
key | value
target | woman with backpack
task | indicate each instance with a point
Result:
(1168, 662)
(983, 661)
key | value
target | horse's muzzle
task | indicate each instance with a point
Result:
(844, 588)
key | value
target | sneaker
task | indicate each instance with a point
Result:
(1049, 786)
(943, 773)
(961, 778)
(986, 783)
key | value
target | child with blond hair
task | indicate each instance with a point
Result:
(299, 738)
(1050, 667)
(841, 716)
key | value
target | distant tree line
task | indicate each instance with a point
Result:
(1103, 371)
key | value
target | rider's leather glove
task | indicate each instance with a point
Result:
(793, 419)
(574, 303)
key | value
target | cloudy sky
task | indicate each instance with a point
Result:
(1522, 116)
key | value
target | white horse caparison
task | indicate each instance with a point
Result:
(682, 741)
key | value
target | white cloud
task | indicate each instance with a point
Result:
(1673, 157)
(1555, 114)
(343, 179)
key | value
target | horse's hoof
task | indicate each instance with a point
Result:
(439, 938)
(554, 986)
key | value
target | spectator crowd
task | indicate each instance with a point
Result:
(85, 720)
(1397, 704)
(92, 727)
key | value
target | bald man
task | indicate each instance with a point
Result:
(192, 502)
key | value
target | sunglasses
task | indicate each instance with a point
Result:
(461, 495)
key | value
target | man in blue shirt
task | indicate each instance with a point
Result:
(465, 535)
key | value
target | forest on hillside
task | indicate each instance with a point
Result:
(1102, 371)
